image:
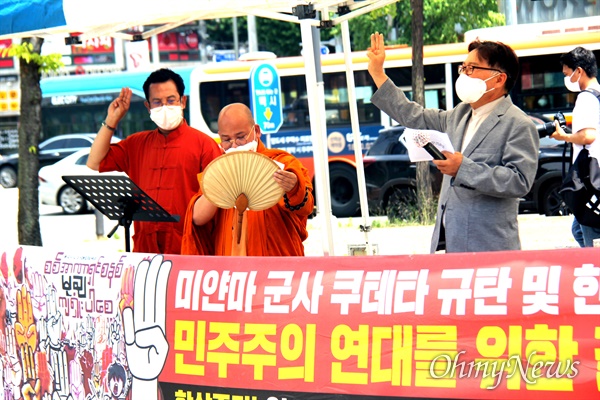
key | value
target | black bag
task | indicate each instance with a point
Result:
(580, 189)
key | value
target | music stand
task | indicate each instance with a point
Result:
(117, 197)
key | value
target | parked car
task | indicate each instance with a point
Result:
(391, 177)
(55, 192)
(50, 151)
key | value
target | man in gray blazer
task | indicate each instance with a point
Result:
(496, 148)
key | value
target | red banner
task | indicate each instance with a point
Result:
(476, 326)
(505, 325)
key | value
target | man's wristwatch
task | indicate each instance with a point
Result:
(108, 126)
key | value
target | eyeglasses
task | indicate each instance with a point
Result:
(469, 69)
(170, 101)
(225, 144)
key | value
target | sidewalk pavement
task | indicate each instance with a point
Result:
(78, 232)
(537, 232)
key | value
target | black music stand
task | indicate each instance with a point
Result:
(117, 197)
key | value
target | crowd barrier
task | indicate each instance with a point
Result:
(503, 325)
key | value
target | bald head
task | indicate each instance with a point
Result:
(235, 113)
(236, 122)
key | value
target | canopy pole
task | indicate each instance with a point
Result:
(315, 92)
(360, 170)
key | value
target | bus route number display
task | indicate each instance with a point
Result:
(265, 97)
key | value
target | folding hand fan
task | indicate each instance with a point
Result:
(242, 180)
(248, 173)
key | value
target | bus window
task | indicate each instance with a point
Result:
(293, 102)
(540, 88)
(216, 95)
(84, 113)
(337, 108)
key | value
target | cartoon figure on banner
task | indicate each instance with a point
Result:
(48, 350)
(146, 344)
(86, 334)
(13, 371)
(95, 384)
(85, 355)
(11, 281)
(118, 381)
(76, 388)
(116, 341)
(36, 375)
(55, 344)
(36, 283)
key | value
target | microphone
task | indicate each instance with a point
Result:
(422, 140)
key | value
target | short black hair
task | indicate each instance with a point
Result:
(580, 57)
(501, 56)
(163, 75)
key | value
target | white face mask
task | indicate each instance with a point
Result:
(167, 117)
(470, 89)
(250, 146)
(572, 86)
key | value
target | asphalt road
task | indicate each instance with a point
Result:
(78, 232)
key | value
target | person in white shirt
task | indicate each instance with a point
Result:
(581, 71)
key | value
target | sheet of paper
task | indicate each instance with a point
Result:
(416, 153)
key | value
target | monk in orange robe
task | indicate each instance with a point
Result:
(276, 231)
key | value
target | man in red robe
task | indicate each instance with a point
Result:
(276, 231)
(163, 162)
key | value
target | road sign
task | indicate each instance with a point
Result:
(265, 97)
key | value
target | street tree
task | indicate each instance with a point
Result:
(444, 21)
(426, 203)
(280, 37)
(416, 23)
(31, 65)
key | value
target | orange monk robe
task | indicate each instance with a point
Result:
(277, 231)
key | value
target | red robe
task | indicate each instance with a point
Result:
(166, 169)
(277, 231)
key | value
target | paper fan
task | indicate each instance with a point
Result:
(248, 173)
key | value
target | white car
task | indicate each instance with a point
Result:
(55, 192)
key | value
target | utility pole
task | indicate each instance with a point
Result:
(203, 37)
(236, 43)
(252, 38)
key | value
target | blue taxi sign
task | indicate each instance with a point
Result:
(265, 97)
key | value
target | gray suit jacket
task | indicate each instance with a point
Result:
(480, 205)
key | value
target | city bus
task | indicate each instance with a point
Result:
(79, 103)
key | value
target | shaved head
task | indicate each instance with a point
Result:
(235, 121)
(238, 113)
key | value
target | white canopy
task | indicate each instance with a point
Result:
(93, 18)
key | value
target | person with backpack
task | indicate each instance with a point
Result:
(580, 70)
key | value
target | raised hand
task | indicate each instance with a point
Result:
(53, 320)
(37, 286)
(115, 340)
(13, 372)
(37, 388)
(127, 288)
(77, 390)
(26, 332)
(376, 55)
(119, 107)
(146, 344)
